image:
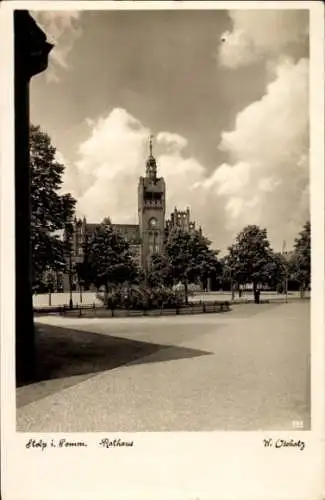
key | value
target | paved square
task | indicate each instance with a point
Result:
(248, 369)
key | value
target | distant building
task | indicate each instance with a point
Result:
(147, 237)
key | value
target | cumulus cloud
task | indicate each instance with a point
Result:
(174, 142)
(113, 158)
(265, 180)
(110, 162)
(62, 28)
(266, 183)
(261, 34)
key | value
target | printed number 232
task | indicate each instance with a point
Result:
(297, 424)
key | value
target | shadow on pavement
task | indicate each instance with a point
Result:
(67, 357)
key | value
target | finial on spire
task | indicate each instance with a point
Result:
(150, 145)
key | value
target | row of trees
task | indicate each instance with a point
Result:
(187, 257)
(109, 263)
(251, 260)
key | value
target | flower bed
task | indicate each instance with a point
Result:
(141, 298)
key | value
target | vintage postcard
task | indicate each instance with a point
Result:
(162, 250)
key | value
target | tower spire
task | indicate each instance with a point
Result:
(150, 145)
(151, 167)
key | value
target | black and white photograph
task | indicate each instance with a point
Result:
(163, 257)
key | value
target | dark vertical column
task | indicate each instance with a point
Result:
(25, 361)
(30, 52)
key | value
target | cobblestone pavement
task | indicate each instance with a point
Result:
(243, 370)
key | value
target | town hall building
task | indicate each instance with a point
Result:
(147, 237)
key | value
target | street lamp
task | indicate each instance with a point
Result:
(69, 249)
(80, 290)
(70, 279)
(286, 276)
(78, 269)
(50, 283)
(285, 255)
(232, 287)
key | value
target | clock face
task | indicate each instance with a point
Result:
(153, 222)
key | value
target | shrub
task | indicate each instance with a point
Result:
(140, 297)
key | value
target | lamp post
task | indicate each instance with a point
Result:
(78, 268)
(68, 239)
(286, 276)
(232, 287)
(50, 286)
(285, 255)
(80, 288)
(70, 277)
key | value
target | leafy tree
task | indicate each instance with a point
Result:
(49, 282)
(301, 258)
(160, 272)
(108, 261)
(250, 258)
(226, 275)
(189, 257)
(50, 210)
(277, 271)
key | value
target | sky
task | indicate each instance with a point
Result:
(225, 94)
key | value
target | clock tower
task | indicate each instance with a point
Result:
(151, 210)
